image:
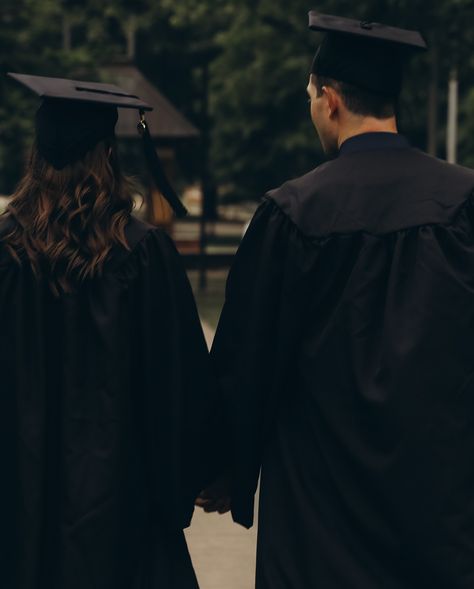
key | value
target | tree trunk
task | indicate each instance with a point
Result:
(131, 33)
(452, 127)
(433, 99)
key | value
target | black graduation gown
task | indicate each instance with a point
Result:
(106, 409)
(345, 353)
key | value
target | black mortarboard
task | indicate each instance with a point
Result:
(75, 116)
(368, 55)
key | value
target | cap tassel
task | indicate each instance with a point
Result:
(156, 169)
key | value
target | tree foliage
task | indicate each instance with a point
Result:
(257, 53)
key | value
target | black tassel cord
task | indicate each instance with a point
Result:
(156, 169)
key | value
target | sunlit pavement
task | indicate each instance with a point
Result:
(223, 553)
(211, 299)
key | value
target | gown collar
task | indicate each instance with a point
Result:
(373, 141)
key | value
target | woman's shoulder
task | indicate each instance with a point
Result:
(145, 243)
(136, 231)
(139, 233)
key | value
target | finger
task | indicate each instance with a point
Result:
(209, 505)
(200, 501)
(224, 505)
(204, 502)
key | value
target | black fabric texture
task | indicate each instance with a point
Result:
(107, 423)
(66, 129)
(345, 355)
(370, 64)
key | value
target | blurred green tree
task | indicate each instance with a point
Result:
(262, 130)
(31, 41)
(257, 54)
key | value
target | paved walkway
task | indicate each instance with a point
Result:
(223, 553)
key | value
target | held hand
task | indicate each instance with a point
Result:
(216, 498)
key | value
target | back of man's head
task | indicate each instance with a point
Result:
(357, 75)
(359, 101)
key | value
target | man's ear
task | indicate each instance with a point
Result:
(333, 101)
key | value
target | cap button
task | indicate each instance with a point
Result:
(368, 26)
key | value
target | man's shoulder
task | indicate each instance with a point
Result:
(450, 172)
(375, 191)
(291, 195)
(304, 183)
(366, 168)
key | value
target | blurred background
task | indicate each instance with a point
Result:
(227, 80)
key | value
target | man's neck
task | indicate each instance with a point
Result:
(367, 125)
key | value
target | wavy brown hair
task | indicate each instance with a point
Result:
(66, 222)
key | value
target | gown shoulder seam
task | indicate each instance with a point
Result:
(318, 239)
(272, 202)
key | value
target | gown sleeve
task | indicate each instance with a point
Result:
(174, 384)
(253, 349)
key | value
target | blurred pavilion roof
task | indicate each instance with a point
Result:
(165, 121)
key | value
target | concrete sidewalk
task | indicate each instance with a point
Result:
(223, 553)
(208, 333)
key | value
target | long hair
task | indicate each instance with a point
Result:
(66, 222)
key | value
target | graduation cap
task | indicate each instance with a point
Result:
(75, 116)
(365, 54)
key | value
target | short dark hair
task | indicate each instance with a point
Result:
(360, 101)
